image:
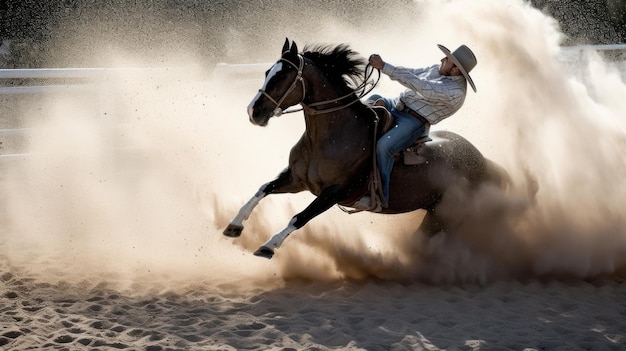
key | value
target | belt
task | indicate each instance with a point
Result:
(418, 116)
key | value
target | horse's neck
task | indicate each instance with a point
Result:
(333, 121)
(337, 127)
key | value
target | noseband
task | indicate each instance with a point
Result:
(279, 111)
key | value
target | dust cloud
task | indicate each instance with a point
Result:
(135, 183)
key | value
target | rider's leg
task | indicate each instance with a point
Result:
(366, 202)
(406, 130)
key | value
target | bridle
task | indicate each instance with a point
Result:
(279, 111)
(300, 66)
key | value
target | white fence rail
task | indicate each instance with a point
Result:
(91, 80)
(16, 85)
(48, 73)
(22, 83)
(605, 47)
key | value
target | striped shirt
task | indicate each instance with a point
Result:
(432, 95)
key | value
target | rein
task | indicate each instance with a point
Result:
(363, 88)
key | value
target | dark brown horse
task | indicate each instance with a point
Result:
(333, 159)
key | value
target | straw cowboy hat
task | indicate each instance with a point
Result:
(464, 59)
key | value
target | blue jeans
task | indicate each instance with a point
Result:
(403, 134)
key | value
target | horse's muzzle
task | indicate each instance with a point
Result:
(258, 121)
(259, 115)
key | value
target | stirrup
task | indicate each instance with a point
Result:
(365, 204)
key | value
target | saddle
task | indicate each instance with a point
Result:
(413, 155)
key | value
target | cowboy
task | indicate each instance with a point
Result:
(434, 93)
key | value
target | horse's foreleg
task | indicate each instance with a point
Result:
(323, 202)
(235, 227)
(283, 183)
(267, 250)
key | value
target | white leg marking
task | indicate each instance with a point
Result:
(246, 210)
(277, 239)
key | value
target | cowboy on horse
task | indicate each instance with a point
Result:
(434, 93)
(335, 156)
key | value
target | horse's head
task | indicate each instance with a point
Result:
(283, 87)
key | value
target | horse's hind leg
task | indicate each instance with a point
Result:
(323, 202)
(432, 224)
(283, 183)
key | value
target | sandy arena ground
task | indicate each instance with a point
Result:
(111, 234)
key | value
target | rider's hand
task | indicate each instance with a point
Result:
(376, 61)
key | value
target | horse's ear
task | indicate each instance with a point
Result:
(285, 46)
(294, 48)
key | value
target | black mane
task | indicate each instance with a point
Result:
(340, 64)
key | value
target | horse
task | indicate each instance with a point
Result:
(334, 157)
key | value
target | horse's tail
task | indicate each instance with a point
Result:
(498, 175)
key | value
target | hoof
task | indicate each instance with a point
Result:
(233, 231)
(264, 251)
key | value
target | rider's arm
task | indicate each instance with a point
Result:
(436, 90)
